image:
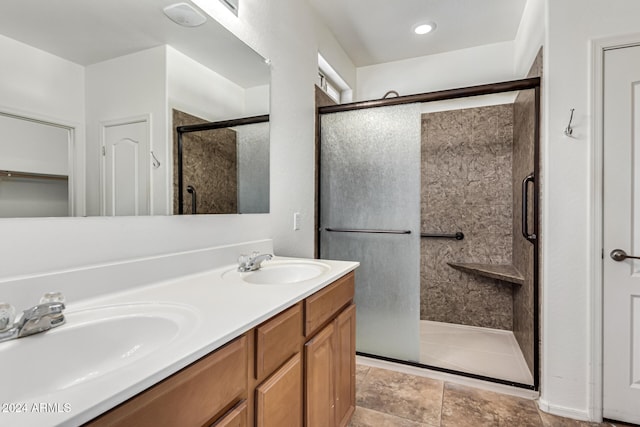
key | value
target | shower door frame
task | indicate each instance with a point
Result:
(533, 83)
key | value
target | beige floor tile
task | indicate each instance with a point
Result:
(392, 399)
(406, 396)
(361, 373)
(465, 406)
(369, 418)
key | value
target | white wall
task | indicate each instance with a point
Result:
(567, 386)
(333, 53)
(197, 90)
(530, 36)
(125, 87)
(37, 82)
(257, 100)
(459, 68)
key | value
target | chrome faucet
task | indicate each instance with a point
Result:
(252, 262)
(34, 320)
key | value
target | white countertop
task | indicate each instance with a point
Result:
(217, 310)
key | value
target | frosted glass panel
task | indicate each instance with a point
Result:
(370, 180)
(253, 168)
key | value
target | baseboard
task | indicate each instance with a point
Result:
(563, 411)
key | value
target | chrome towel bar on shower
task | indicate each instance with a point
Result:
(364, 230)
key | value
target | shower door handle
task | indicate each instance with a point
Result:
(525, 208)
(194, 203)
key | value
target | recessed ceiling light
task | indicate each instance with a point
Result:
(184, 14)
(424, 28)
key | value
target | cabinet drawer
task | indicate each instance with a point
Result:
(237, 417)
(191, 397)
(277, 340)
(324, 304)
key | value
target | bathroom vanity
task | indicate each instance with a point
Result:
(298, 365)
(185, 339)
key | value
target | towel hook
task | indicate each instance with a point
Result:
(569, 130)
(154, 160)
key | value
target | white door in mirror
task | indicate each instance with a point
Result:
(125, 172)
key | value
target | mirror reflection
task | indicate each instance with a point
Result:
(221, 167)
(87, 104)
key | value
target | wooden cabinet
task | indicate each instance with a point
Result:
(278, 356)
(330, 355)
(320, 374)
(297, 368)
(192, 397)
(279, 399)
(345, 365)
(330, 373)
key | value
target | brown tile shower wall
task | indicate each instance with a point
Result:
(523, 165)
(467, 186)
(210, 165)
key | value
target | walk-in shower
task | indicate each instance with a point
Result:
(435, 195)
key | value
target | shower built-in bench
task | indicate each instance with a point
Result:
(503, 272)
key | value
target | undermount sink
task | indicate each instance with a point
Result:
(280, 272)
(92, 343)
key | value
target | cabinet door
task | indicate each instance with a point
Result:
(345, 369)
(319, 355)
(279, 398)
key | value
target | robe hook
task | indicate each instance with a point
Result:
(569, 130)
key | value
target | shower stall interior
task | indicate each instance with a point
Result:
(435, 195)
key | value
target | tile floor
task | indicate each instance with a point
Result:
(386, 398)
(493, 353)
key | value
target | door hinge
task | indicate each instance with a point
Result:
(104, 151)
(602, 253)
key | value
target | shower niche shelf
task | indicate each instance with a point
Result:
(504, 272)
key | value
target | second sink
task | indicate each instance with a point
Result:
(281, 272)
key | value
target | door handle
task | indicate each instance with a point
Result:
(525, 208)
(620, 255)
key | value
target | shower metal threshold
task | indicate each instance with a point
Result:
(450, 371)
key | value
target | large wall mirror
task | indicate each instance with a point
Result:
(90, 98)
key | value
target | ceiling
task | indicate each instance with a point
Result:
(88, 32)
(378, 31)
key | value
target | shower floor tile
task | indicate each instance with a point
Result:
(490, 352)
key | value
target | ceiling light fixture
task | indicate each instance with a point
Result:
(425, 28)
(184, 14)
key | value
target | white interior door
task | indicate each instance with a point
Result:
(621, 339)
(125, 186)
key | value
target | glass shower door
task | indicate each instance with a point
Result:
(370, 212)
